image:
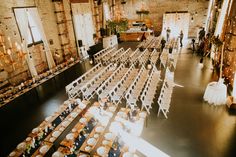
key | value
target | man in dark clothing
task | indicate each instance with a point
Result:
(193, 44)
(201, 35)
(181, 35)
(163, 43)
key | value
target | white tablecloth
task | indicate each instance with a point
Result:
(216, 93)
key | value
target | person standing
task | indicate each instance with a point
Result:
(201, 35)
(193, 44)
(163, 43)
(181, 38)
(168, 34)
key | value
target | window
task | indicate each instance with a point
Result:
(23, 17)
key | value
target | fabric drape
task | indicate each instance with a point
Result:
(22, 20)
(34, 13)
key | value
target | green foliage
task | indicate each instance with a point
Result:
(117, 26)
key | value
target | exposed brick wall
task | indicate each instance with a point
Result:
(158, 7)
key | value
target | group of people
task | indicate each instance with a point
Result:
(204, 43)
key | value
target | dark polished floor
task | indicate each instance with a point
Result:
(193, 128)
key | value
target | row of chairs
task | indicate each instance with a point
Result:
(154, 57)
(144, 57)
(134, 91)
(164, 98)
(98, 56)
(73, 88)
(109, 56)
(134, 56)
(124, 57)
(117, 93)
(90, 87)
(111, 82)
(148, 94)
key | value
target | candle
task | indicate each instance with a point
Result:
(9, 53)
(4, 49)
(9, 40)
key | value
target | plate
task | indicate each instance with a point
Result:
(74, 114)
(82, 106)
(108, 136)
(91, 141)
(101, 151)
(83, 120)
(44, 149)
(105, 142)
(48, 118)
(65, 123)
(35, 130)
(52, 139)
(87, 148)
(128, 154)
(28, 139)
(99, 129)
(61, 129)
(70, 136)
(57, 154)
(21, 146)
(96, 135)
(56, 134)
(12, 154)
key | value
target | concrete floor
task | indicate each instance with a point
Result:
(193, 128)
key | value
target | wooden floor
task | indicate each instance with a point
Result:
(193, 128)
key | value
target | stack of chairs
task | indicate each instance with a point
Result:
(148, 94)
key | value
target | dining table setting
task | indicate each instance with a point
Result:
(41, 139)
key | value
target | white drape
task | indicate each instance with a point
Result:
(84, 28)
(22, 21)
(176, 22)
(106, 9)
(221, 18)
(34, 13)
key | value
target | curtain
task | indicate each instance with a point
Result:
(22, 21)
(35, 16)
(84, 28)
(221, 18)
(176, 22)
(106, 9)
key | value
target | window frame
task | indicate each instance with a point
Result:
(30, 29)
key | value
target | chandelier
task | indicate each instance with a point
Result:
(12, 57)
